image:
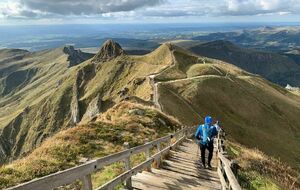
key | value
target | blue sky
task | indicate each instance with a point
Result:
(14, 12)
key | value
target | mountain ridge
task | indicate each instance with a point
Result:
(195, 85)
(276, 68)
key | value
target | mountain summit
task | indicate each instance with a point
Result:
(75, 57)
(108, 51)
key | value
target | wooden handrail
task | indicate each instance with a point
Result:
(83, 172)
(227, 177)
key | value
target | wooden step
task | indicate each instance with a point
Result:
(181, 170)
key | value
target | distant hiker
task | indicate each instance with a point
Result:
(218, 126)
(206, 134)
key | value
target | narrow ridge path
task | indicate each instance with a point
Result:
(181, 171)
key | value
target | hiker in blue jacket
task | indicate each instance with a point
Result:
(206, 134)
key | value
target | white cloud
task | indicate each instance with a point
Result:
(136, 9)
(260, 7)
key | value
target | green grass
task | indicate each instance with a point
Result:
(259, 171)
(251, 180)
(253, 111)
(92, 140)
(245, 105)
(106, 174)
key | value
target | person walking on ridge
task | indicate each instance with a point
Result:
(206, 134)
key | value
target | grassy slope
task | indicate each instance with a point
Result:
(43, 105)
(115, 75)
(49, 71)
(275, 67)
(95, 139)
(254, 111)
(259, 171)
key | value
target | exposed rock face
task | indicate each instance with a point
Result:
(83, 76)
(8, 137)
(108, 51)
(75, 104)
(137, 112)
(76, 56)
(94, 108)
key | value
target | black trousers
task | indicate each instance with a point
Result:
(210, 147)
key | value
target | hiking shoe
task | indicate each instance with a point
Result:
(209, 166)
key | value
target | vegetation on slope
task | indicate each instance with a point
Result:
(255, 112)
(125, 122)
(277, 68)
(57, 96)
(259, 171)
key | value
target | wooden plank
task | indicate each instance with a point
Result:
(164, 179)
(233, 183)
(58, 179)
(112, 158)
(222, 179)
(232, 179)
(133, 171)
(162, 152)
(114, 182)
(128, 183)
(181, 174)
(177, 142)
(87, 182)
(159, 159)
(142, 148)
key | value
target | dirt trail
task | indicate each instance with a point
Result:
(156, 84)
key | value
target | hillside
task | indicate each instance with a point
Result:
(125, 122)
(56, 97)
(253, 111)
(277, 68)
(275, 39)
(33, 96)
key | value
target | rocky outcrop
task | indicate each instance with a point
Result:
(75, 104)
(8, 137)
(108, 51)
(94, 108)
(76, 57)
(83, 76)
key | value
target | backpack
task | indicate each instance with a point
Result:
(205, 133)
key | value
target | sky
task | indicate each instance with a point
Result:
(28, 12)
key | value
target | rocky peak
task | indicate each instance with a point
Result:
(75, 56)
(68, 49)
(108, 51)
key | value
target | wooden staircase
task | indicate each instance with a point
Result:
(181, 170)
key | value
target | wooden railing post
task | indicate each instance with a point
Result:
(234, 167)
(158, 150)
(128, 182)
(170, 140)
(87, 182)
(147, 153)
(181, 133)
